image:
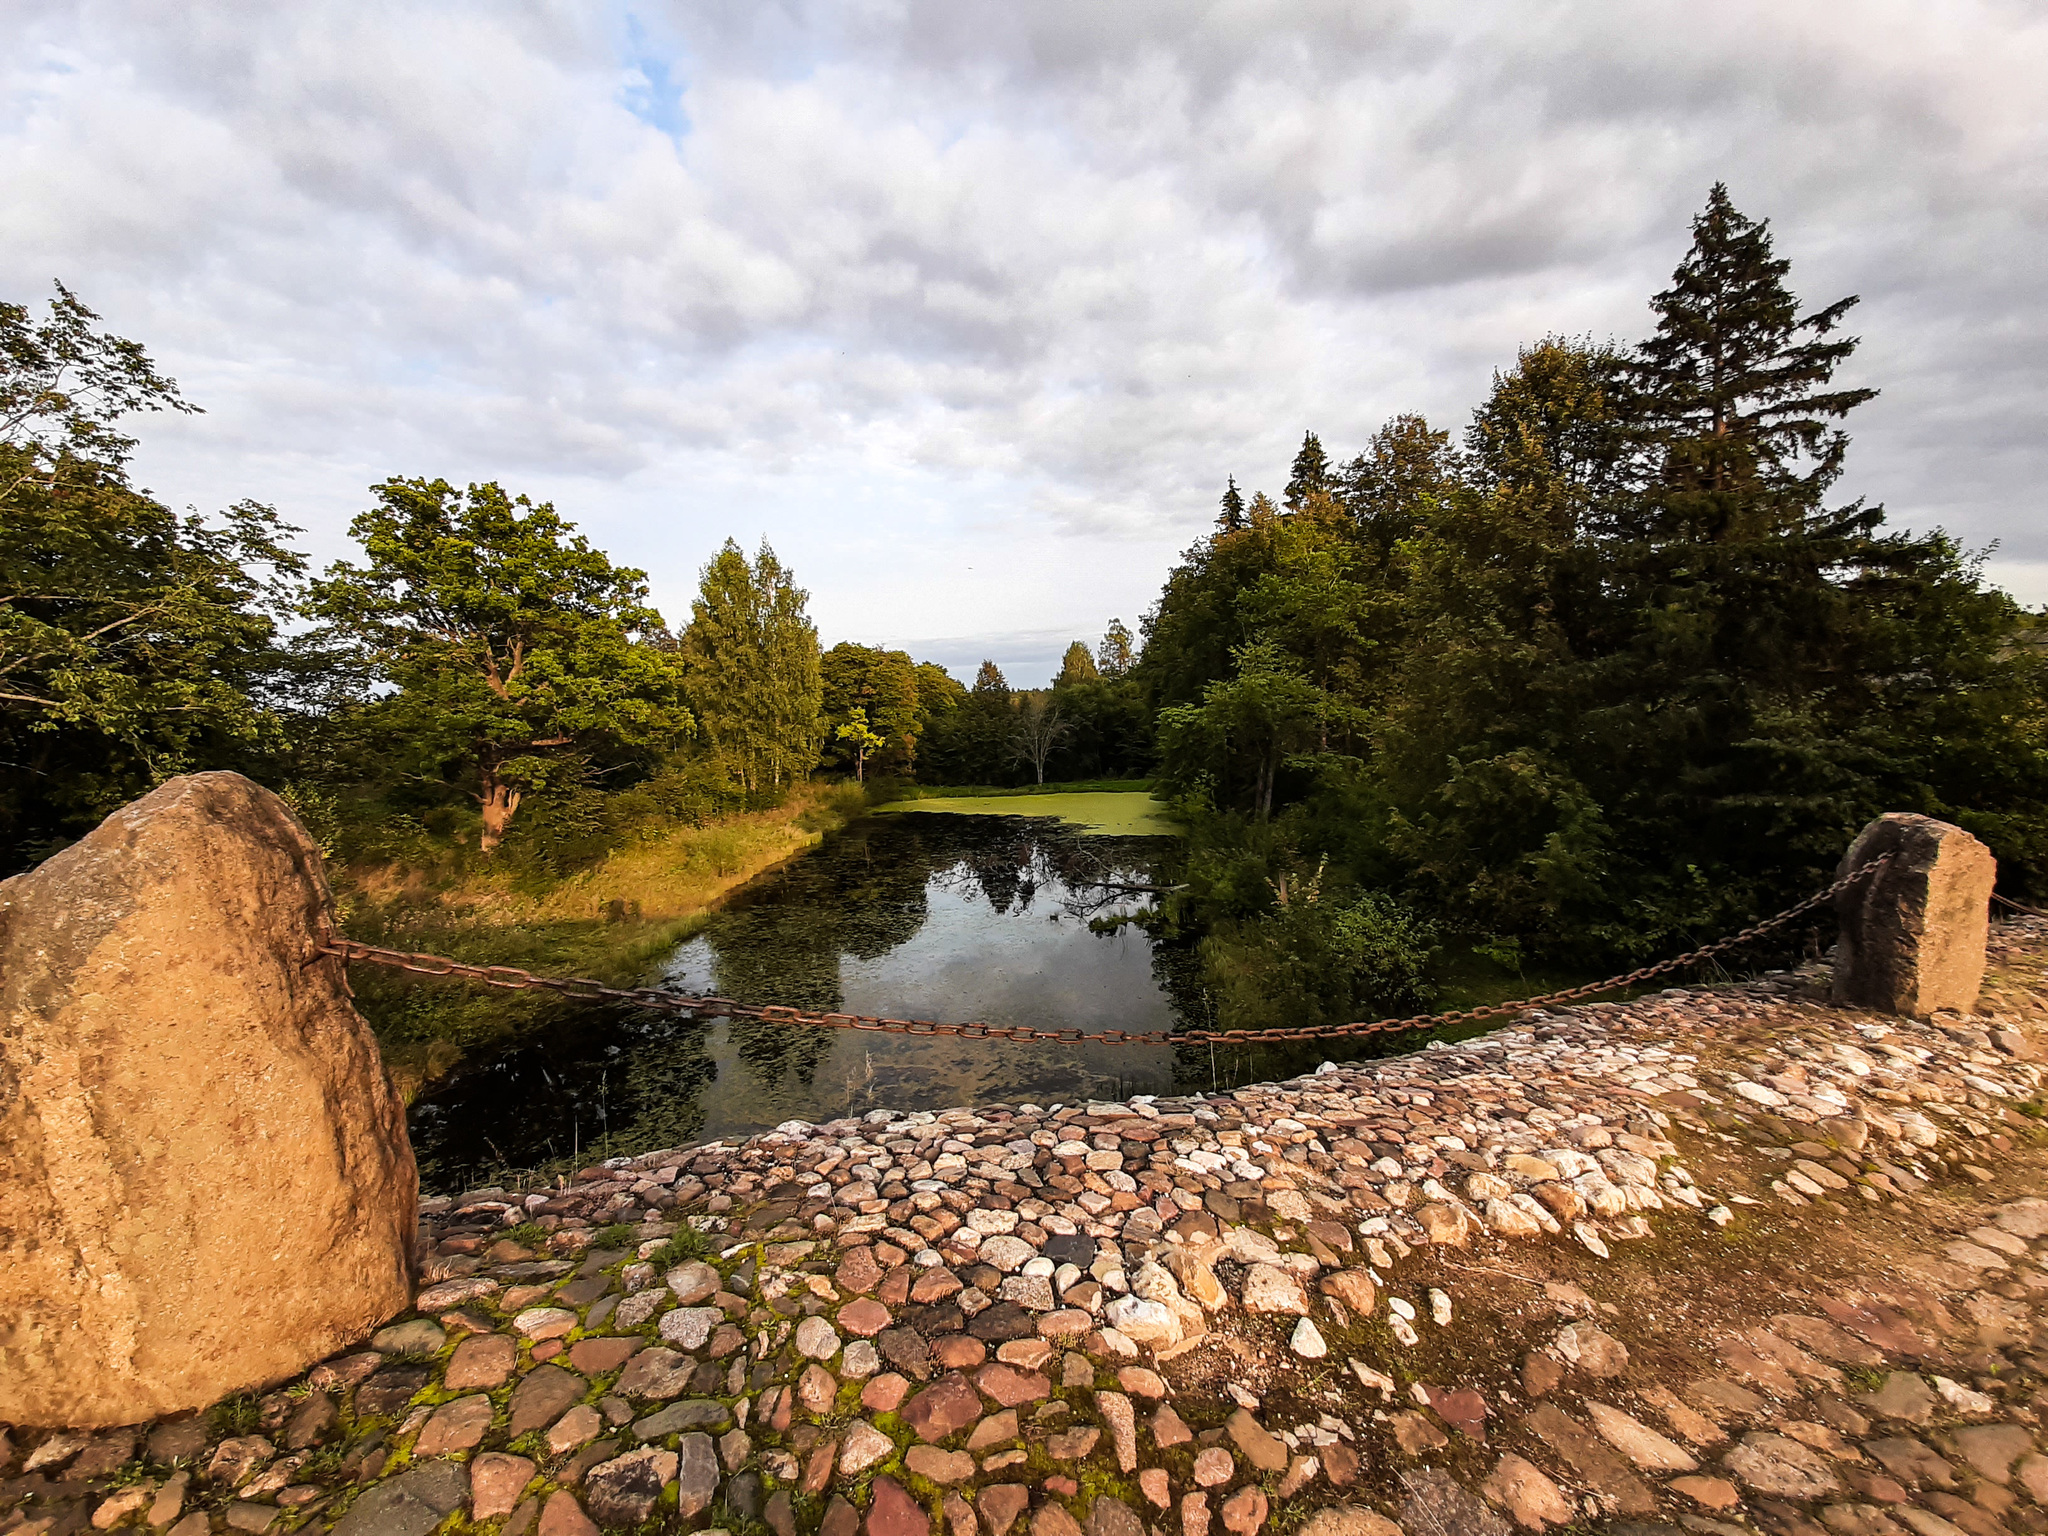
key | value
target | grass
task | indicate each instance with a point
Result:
(1114, 813)
(990, 791)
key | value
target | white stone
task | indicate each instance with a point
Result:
(816, 1339)
(689, 1328)
(1308, 1341)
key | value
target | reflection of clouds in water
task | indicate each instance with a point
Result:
(957, 919)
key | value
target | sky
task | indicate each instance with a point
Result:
(969, 308)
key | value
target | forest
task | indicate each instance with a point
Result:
(1608, 670)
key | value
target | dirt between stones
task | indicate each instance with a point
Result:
(1719, 1260)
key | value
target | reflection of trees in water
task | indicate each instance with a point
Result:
(863, 893)
(602, 1085)
(1010, 869)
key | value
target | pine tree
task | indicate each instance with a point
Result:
(1730, 400)
(1231, 518)
(1310, 474)
(989, 683)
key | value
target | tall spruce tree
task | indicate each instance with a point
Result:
(1732, 397)
(1310, 474)
(1231, 518)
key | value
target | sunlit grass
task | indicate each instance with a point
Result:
(1117, 813)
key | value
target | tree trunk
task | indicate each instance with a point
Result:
(500, 802)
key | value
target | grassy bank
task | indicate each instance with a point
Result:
(898, 792)
(613, 921)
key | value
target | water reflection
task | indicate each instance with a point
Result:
(922, 916)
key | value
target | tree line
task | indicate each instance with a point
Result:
(1607, 670)
(482, 672)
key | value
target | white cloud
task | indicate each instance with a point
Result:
(971, 307)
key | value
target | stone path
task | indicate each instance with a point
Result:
(1716, 1260)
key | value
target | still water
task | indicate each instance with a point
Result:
(931, 916)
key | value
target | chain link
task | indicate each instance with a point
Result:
(584, 989)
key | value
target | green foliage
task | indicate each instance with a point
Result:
(859, 740)
(1614, 676)
(753, 669)
(1234, 742)
(687, 1244)
(1114, 658)
(884, 687)
(517, 653)
(1077, 666)
(134, 644)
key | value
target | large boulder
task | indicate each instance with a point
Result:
(1913, 934)
(205, 1182)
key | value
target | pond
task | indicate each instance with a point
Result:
(924, 915)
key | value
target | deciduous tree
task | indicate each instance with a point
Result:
(514, 648)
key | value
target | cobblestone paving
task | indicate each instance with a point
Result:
(1718, 1260)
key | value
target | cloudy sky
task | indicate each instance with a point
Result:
(969, 308)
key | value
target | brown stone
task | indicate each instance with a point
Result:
(1001, 1504)
(864, 1318)
(1709, 1492)
(1072, 1444)
(1340, 1465)
(1352, 1520)
(943, 1408)
(1011, 1387)
(959, 1516)
(1780, 1466)
(1591, 1459)
(938, 1466)
(1168, 1428)
(1053, 1520)
(180, 1059)
(456, 1426)
(1111, 1516)
(893, 1512)
(841, 1519)
(1122, 1420)
(1354, 1288)
(1258, 1445)
(1244, 1511)
(1446, 1224)
(495, 1483)
(816, 1389)
(1416, 1433)
(484, 1360)
(1913, 934)
(994, 1430)
(563, 1516)
(540, 1399)
(883, 1393)
(593, 1357)
(1993, 1448)
(1528, 1496)
(958, 1352)
(1541, 1373)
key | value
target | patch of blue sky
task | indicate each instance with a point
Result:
(654, 89)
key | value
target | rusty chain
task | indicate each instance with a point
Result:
(584, 989)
